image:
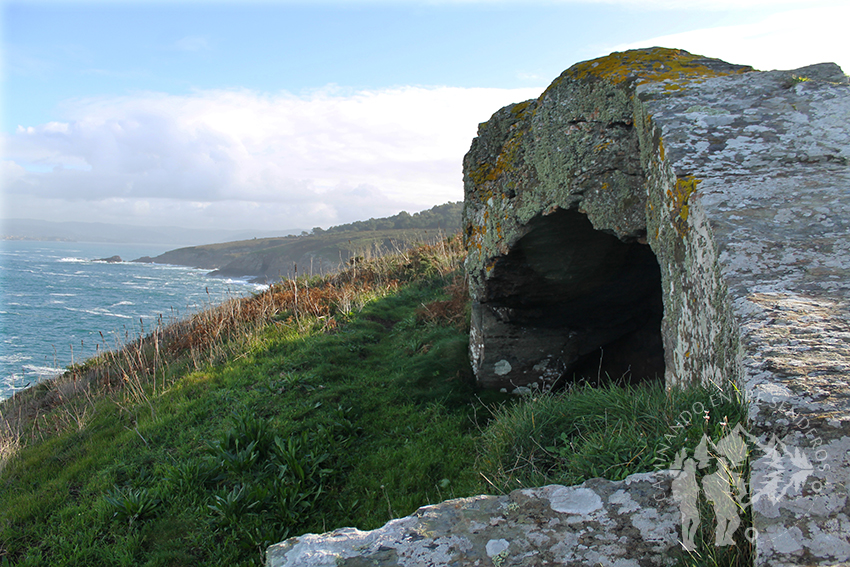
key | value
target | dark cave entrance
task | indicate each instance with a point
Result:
(599, 296)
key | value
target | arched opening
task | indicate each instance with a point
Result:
(578, 304)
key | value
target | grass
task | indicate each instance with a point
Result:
(611, 432)
(322, 403)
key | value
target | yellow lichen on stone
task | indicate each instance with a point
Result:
(475, 238)
(648, 65)
(521, 108)
(602, 146)
(488, 171)
(685, 186)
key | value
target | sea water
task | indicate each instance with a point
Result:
(59, 306)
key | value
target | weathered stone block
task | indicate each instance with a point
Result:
(556, 220)
(633, 522)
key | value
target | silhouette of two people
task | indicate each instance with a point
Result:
(724, 488)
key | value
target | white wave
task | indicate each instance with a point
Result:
(99, 311)
(14, 358)
(43, 370)
(122, 303)
(64, 274)
(73, 260)
(63, 294)
(10, 381)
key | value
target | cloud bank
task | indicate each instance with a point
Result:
(237, 158)
(784, 40)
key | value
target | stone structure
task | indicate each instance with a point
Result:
(633, 523)
(676, 215)
(561, 193)
(737, 182)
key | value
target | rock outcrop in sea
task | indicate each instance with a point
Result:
(111, 260)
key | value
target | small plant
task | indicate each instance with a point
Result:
(190, 475)
(294, 461)
(132, 504)
(241, 447)
(793, 80)
(230, 508)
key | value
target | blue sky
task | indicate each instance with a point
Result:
(276, 114)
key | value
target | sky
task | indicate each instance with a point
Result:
(272, 115)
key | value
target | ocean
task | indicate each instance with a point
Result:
(56, 301)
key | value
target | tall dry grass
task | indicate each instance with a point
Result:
(10, 440)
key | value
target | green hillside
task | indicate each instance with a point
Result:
(320, 403)
(321, 251)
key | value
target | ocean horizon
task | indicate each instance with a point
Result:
(60, 306)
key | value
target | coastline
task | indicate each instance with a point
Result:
(61, 306)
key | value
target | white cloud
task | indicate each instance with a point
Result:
(240, 158)
(784, 40)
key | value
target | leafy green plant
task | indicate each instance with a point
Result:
(232, 506)
(132, 504)
(190, 475)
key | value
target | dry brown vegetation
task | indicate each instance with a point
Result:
(453, 310)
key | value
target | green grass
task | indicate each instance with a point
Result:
(304, 431)
(611, 432)
(307, 423)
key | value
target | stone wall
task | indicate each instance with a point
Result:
(656, 212)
